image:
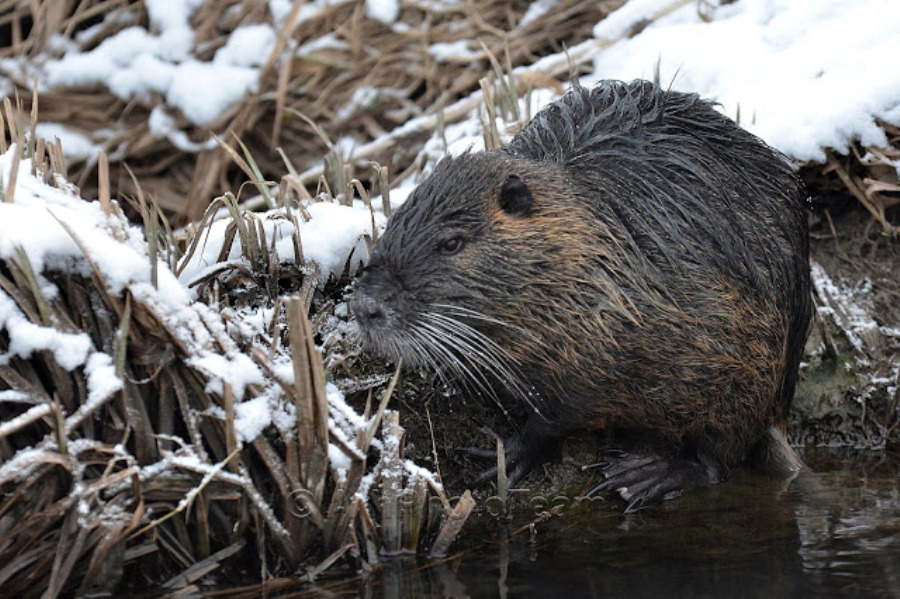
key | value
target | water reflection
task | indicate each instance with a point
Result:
(833, 534)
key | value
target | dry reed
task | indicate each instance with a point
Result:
(320, 83)
(152, 483)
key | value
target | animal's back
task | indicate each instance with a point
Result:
(689, 189)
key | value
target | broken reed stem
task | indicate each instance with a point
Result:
(153, 246)
(103, 183)
(502, 478)
(33, 120)
(391, 482)
(231, 444)
(13, 173)
(59, 426)
(385, 189)
(455, 521)
(492, 131)
(188, 499)
(11, 121)
(309, 399)
(2, 134)
(413, 511)
(31, 278)
(37, 165)
(851, 185)
(379, 413)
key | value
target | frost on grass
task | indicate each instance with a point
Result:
(846, 308)
(237, 370)
(25, 338)
(333, 234)
(863, 350)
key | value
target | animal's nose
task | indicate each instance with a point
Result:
(367, 309)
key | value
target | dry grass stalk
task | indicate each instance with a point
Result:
(868, 174)
(145, 475)
(393, 62)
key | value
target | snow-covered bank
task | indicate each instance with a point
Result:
(804, 75)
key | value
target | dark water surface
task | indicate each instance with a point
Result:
(834, 534)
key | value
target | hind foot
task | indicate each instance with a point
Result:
(643, 479)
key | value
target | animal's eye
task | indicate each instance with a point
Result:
(452, 246)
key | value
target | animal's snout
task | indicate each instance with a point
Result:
(367, 310)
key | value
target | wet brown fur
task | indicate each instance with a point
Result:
(658, 282)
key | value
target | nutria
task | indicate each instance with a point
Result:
(631, 260)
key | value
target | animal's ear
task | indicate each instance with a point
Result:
(515, 197)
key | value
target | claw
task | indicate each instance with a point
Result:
(524, 451)
(642, 479)
(479, 453)
(489, 432)
(485, 477)
(635, 505)
(596, 466)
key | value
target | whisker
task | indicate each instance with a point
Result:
(477, 350)
(474, 315)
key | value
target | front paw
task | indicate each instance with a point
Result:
(520, 458)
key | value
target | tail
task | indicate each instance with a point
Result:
(773, 455)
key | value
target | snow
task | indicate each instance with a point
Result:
(149, 74)
(204, 91)
(15, 396)
(797, 70)
(237, 370)
(536, 10)
(458, 51)
(279, 10)
(135, 63)
(115, 52)
(35, 222)
(344, 416)
(102, 379)
(8, 427)
(102, 384)
(416, 471)
(339, 460)
(248, 46)
(328, 239)
(323, 42)
(333, 232)
(364, 98)
(76, 145)
(161, 124)
(251, 418)
(845, 308)
(70, 350)
(620, 22)
(169, 15)
(385, 11)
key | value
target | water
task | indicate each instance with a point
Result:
(834, 534)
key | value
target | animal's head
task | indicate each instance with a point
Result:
(461, 264)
